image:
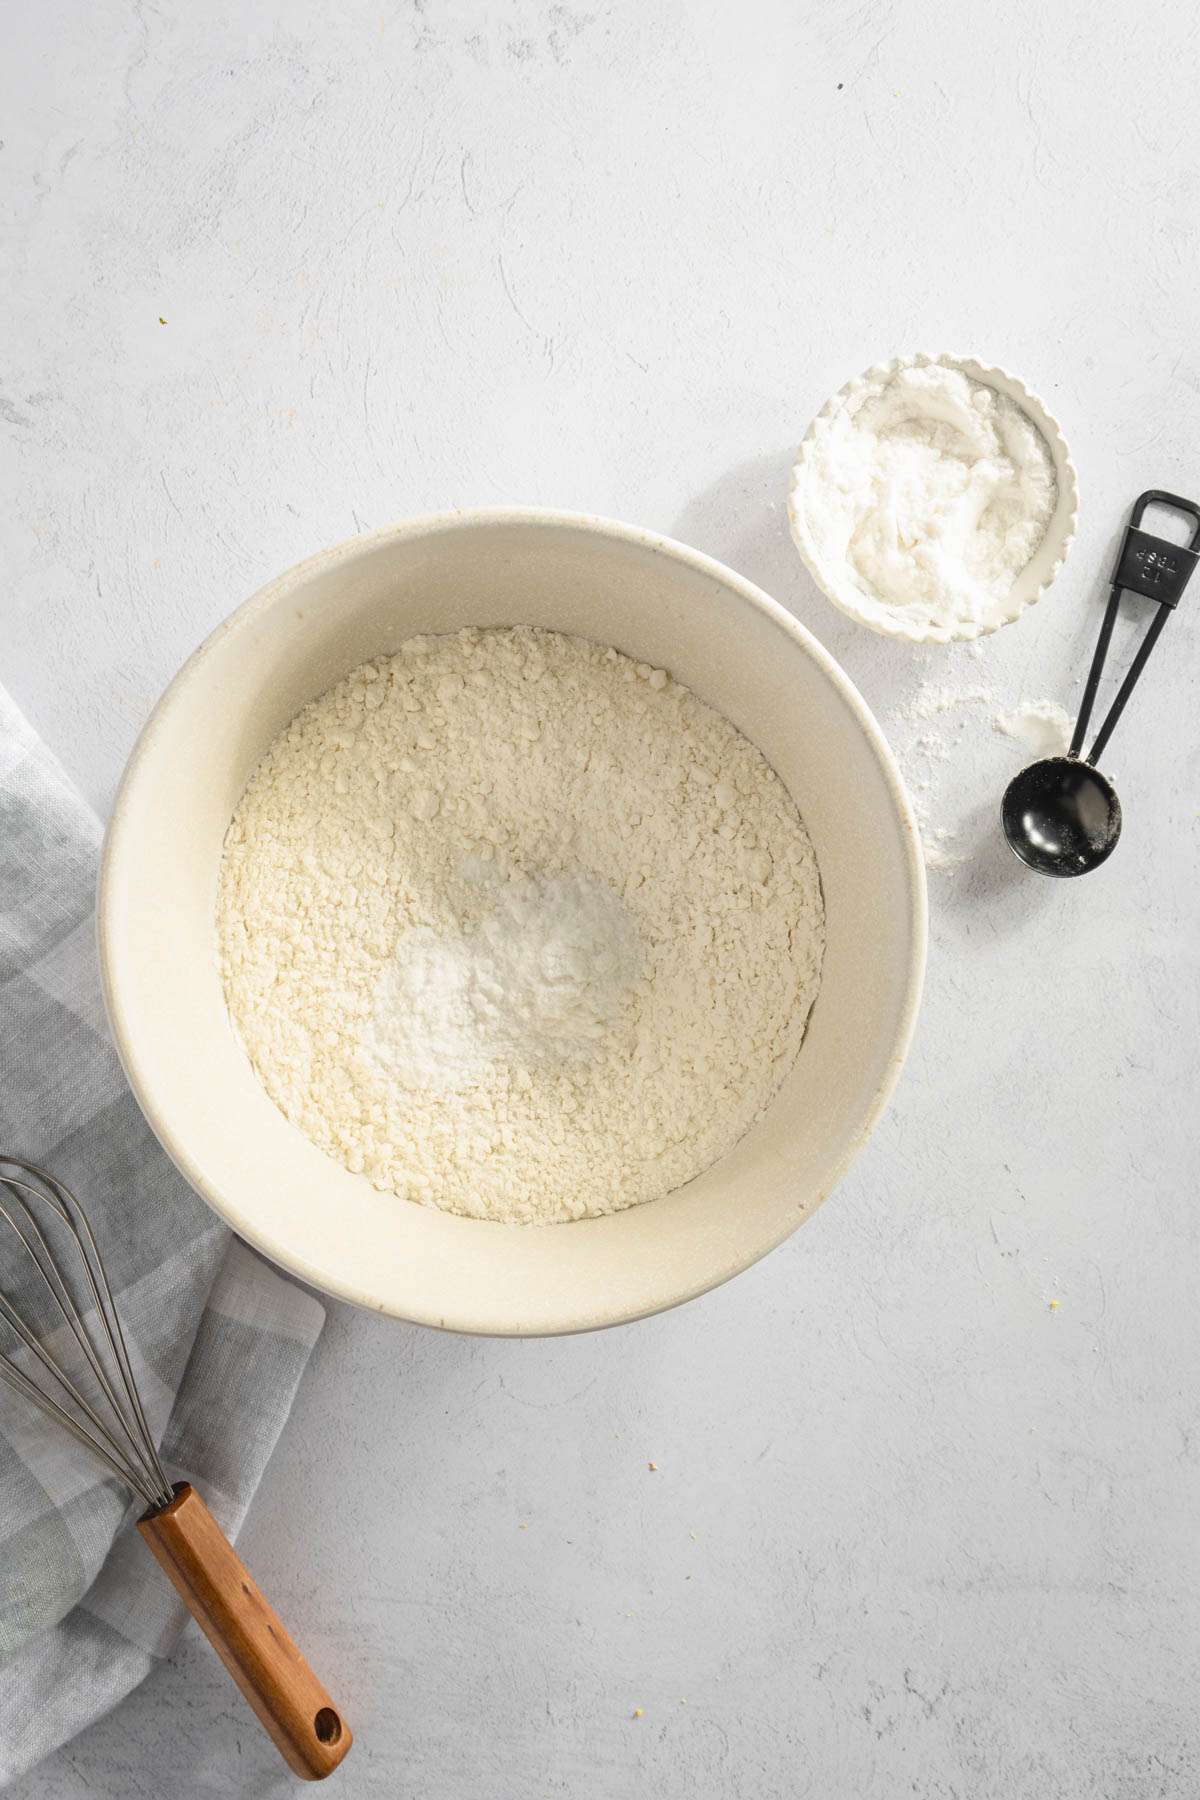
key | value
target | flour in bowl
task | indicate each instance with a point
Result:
(518, 927)
(539, 980)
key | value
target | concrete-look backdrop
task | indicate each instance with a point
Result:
(923, 1515)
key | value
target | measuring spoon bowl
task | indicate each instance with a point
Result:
(1061, 816)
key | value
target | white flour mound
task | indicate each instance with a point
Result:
(929, 492)
(519, 927)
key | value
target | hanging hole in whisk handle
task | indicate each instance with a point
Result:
(327, 1726)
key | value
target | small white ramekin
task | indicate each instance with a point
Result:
(1034, 578)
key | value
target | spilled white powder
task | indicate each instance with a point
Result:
(1042, 726)
(518, 927)
(929, 492)
(938, 748)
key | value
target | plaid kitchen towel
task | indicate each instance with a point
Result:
(218, 1339)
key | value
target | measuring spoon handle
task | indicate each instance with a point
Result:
(1156, 568)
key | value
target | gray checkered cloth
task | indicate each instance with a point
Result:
(218, 1339)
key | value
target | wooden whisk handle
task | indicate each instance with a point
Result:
(219, 1592)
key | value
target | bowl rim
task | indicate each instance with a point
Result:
(245, 616)
(848, 598)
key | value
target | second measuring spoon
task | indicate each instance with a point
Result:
(1061, 816)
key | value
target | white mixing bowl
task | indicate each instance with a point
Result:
(662, 604)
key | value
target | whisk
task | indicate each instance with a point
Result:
(67, 1287)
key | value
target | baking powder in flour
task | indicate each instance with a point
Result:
(540, 979)
(519, 927)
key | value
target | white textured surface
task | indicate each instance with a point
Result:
(911, 1530)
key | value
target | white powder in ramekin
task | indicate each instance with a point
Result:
(930, 492)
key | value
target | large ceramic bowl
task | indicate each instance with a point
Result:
(662, 604)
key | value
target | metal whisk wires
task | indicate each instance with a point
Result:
(112, 1423)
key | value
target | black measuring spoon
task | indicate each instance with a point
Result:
(1061, 816)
